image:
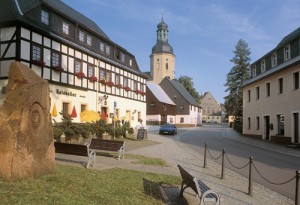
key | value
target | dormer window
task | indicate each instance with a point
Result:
(274, 59)
(287, 52)
(101, 46)
(254, 71)
(81, 36)
(65, 28)
(263, 65)
(45, 17)
(107, 50)
(89, 40)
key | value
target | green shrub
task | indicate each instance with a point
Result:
(130, 130)
(57, 133)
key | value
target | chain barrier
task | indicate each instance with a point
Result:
(212, 156)
(242, 167)
(274, 183)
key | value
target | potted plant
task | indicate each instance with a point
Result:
(80, 74)
(58, 68)
(110, 83)
(93, 78)
(38, 62)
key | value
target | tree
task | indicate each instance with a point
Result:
(187, 82)
(237, 76)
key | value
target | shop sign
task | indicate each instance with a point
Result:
(67, 93)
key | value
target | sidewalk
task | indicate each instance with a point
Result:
(233, 189)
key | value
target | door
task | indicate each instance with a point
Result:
(296, 127)
(163, 119)
(267, 127)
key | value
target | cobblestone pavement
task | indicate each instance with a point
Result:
(233, 189)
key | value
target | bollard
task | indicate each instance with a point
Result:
(297, 201)
(223, 165)
(250, 177)
(205, 150)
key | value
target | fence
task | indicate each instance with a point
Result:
(252, 166)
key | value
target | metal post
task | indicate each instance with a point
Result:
(297, 201)
(223, 165)
(205, 150)
(250, 177)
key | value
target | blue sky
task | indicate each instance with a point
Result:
(203, 33)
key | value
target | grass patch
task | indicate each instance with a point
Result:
(140, 159)
(73, 185)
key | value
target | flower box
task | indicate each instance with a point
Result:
(38, 62)
(110, 84)
(80, 74)
(58, 68)
(93, 78)
(118, 85)
(127, 88)
(140, 92)
(102, 81)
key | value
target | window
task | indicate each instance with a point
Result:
(257, 123)
(249, 95)
(107, 50)
(55, 59)
(181, 120)
(274, 59)
(90, 70)
(263, 65)
(167, 66)
(268, 87)
(45, 17)
(101, 46)
(65, 28)
(135, 85)
(280, 122)
(181, 107)
(254, 71)
(82, 107)
(89, 40)
(249, 123)
(101, 74)
(130, 62)
(117, 79)
(257, 92)
(296, 80)
(108, 76)
(77, 66)
(287, 52)
(36, 53)
(81, 36)
(125, 82)
(122, 57)
(65, 107)
(280, 85)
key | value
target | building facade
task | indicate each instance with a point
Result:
(162, 58)
(84, 67)
(271, 96)
(188, 111)
(212, 110)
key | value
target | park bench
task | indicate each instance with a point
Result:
(202, 190)
(108, 145)
(76, 149)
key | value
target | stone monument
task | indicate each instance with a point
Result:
(26, 140)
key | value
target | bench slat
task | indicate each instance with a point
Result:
(108, 145)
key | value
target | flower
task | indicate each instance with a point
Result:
(110, 83)
(127, 88)
(102, 81)
(58, 68)
(80, 74)
(140, 92)
(38, 62)
(93, 78)
(118, 85)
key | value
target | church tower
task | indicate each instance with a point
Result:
(162, 58)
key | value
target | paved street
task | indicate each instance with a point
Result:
(276, 163)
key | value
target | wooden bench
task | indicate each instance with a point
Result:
(108, 145)
(202, 190)
(76, 149)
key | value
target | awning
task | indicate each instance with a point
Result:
(54, 111)
(74, 113)
(89, 116)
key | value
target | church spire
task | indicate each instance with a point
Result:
(162, 30)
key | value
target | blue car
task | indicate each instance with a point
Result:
(168, 129)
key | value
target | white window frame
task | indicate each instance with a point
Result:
(81, 36)
(287, 52)
(263, 65)
(101, 46)
(254, 71)
(274, 59)
(89, 40)
(65, 28)
(45, 17)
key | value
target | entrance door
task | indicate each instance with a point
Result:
(163, 119)
(267, 127)
(296, 127)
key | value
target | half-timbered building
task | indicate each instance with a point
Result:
(84, 67)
